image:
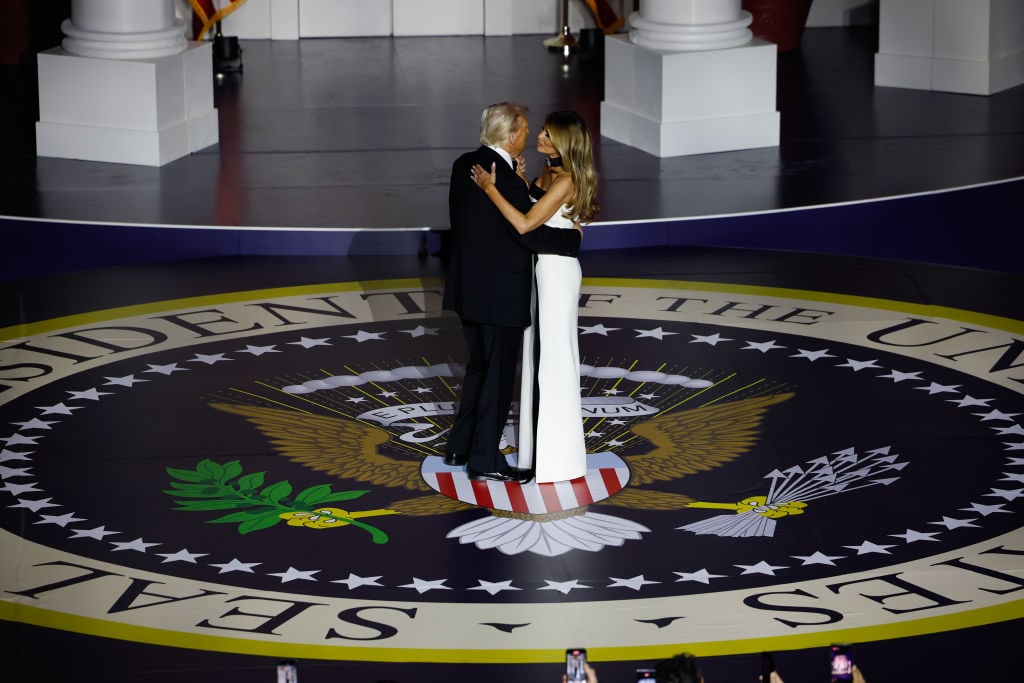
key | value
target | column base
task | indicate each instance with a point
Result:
(147, 112)
(967, 76)
(679, 103)
(698, 136)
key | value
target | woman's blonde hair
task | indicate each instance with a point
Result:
(498, 121)
(570, 138)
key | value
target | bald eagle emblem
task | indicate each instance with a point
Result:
(547, 519)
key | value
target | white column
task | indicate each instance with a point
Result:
(690, 25)
(964, 46)
(125, 86)
(123, 29)
(690, 79)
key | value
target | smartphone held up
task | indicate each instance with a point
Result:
(841, 659)
(575, 671)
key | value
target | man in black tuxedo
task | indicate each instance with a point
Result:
(490, 277)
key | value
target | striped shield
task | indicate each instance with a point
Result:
(606, 475)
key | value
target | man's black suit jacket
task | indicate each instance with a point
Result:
(490, 271)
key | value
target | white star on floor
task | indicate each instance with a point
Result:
(20, 439)
(88, 394)
(307, 343)
(422, 585)
(936, 388)
(656, 333)
(258, 350)
(1006, 431)
(387, 394)
(165, 369)
(867, 547)
(1007, 494)
(13, 472)
(235, 565)
(34, 423)
(182, 555)
(648, 397)
(59, 409)
(818, 558)
(991, 415)
(494, 587)
(362, 336)
(763, 347)
(137, 545)
(812, 355)
(614, 443)
(616, 421)
(969, 401)
(911, 536)
(60, 520)
(210, 359)
(98, 533)
(953, 523)
(859, 365)
(356, 399)
(6, 455)
(294, 574)
(126, 381)
(20, 489)
(562, 587)
(761, 567)
(598, 329)
(636, 583)
(420, 331)
(354, 581)
(712, 339)
(701, 576)
(897, 376)
(986, 510)
(1016, 478)
(34, 505)
(611, 392)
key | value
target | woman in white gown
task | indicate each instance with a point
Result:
(551, 440)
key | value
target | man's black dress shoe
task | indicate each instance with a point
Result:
(492, 476)
(455, 459)
(521, 474)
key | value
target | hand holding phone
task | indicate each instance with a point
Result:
(767, 666)
(842, 663)
(575, 659)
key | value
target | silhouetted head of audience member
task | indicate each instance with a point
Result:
(682, 668)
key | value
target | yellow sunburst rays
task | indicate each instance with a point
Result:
(404, 445)
(449, 387)
(587, 432)
(433, 421)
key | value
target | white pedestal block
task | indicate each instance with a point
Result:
(343, 18)
(950, 45)
(146, 112)
(677, 103)
(438, 18)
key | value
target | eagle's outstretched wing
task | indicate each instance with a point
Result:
(700, 439)
(344, 448)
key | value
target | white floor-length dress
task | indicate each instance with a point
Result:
(557, 444)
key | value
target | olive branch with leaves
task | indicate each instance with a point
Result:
(213, 486)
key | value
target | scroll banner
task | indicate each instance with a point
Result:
(206, 13)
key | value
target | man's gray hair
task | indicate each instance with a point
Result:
(498, 121)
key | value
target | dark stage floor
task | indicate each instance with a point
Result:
(802, 389)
